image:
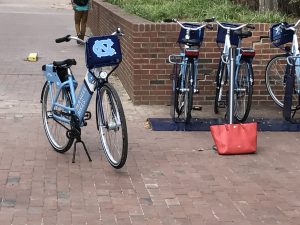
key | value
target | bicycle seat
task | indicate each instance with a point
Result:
(190, 42)
(244, 34)
(64, 63)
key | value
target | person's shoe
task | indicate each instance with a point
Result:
(79, 36)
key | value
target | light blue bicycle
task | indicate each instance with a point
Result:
(64, 112)
(282, 74)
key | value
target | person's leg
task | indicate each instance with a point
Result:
(83, 23)
(77, 18)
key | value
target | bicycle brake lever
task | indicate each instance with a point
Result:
(118, 32)
(169, 20)
(210, 20)
(250, 26)
(63, 39)
(209, 26)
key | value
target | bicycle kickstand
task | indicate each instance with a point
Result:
(75, 132)
(78, 140)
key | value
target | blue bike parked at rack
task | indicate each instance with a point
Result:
(64, 113)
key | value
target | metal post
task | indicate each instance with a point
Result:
(232, 52)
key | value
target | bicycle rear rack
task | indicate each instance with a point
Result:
(176, 59)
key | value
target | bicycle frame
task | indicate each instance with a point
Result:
(295, 45)
(225, 52)
(64, 109)
(79, 102)
(185, 59)
(183, 66)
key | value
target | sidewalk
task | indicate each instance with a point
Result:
(169, 178)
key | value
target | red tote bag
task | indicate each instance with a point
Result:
(233, 139)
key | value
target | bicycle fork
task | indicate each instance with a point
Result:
(115, 122)
(193, 78)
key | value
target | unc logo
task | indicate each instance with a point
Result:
(104, 48)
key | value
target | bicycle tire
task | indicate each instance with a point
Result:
(275, 77)
(219, 86)
(243, 91)
(188, 96)
(179, 94)
(176, 81)
(56, 132)
(107, 122)
(173, 97)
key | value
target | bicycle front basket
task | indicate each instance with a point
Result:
(194, 34)
(234, 39)
(280, 36)
(102, 51)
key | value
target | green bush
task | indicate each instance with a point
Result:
(195, 10)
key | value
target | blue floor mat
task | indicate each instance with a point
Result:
(168, 124)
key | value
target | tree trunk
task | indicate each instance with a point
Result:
(268, 5)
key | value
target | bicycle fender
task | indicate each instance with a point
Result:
(51, 74)
(41, 101)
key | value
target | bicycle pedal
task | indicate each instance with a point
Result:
(87, 115)
(172, 76)
(197, 107)
(222, 104)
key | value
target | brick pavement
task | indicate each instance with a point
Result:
(170, 177)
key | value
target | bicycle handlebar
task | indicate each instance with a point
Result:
(204, 24)
(291, 27)
(168, 20)
(63, 39)
(250, 26)
(68, 37)
(118, 32)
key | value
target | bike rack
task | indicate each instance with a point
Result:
(203, 124)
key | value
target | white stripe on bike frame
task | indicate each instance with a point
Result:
(90, 85)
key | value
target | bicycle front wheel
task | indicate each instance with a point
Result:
(56, 131)
(220, 80)
(243, 91)
(112, 127)
(177, 94)
(189, 91)
(178, 85)
(275, 79)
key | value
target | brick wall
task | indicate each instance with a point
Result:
(145, 71)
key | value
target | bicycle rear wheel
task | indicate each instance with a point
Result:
(243, 91)
(56, 131)
(275, 79)
(112, 127)
(220, 80)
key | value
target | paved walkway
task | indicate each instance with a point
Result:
(170, 177)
